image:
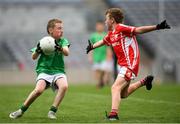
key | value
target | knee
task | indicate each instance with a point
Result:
(64, 88)
(112, 88)
(115, 88)
(38, 91)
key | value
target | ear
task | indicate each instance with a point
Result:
(113, 20)
(50, 30)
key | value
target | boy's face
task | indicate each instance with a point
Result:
(99, 27)
(57, 31)
(109, 22)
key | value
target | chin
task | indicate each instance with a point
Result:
(109, 28)
(58, 37)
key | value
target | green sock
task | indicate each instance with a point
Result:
(23, 108)
(54, 109)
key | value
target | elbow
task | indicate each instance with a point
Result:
(34, 58)
(138, 32)
(66, 53)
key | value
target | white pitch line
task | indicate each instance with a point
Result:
(153, 101)
(138, 99)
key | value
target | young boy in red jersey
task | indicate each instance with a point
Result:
(123, 40)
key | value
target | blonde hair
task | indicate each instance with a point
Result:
(116, 13)
(51, 24)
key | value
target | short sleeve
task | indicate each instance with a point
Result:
(65, 42)
(33, 50)
(126, 29)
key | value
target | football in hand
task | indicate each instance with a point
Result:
(47, 45)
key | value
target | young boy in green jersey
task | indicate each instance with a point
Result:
(50, 71)
(101, 58)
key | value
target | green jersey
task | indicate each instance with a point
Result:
(54, 63)
(99, 54)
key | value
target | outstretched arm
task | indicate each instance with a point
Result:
(98, 44)
(93, 46)
(145, 29)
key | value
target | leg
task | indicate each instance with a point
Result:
(118, 86)
(101, 81)
(99, 77)
(107, 77)
(130, 89)
(40, 87)
(116, 89)
(62, 88)
(147, 81)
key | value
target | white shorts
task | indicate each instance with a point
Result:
(104, 66)
(126, 73)
(51, 79)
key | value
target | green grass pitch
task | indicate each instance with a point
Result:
(84, 103)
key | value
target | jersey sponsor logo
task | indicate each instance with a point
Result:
(114, 37)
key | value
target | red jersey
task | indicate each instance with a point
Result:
(124, 43)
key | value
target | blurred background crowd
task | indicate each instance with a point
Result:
(23, 24)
